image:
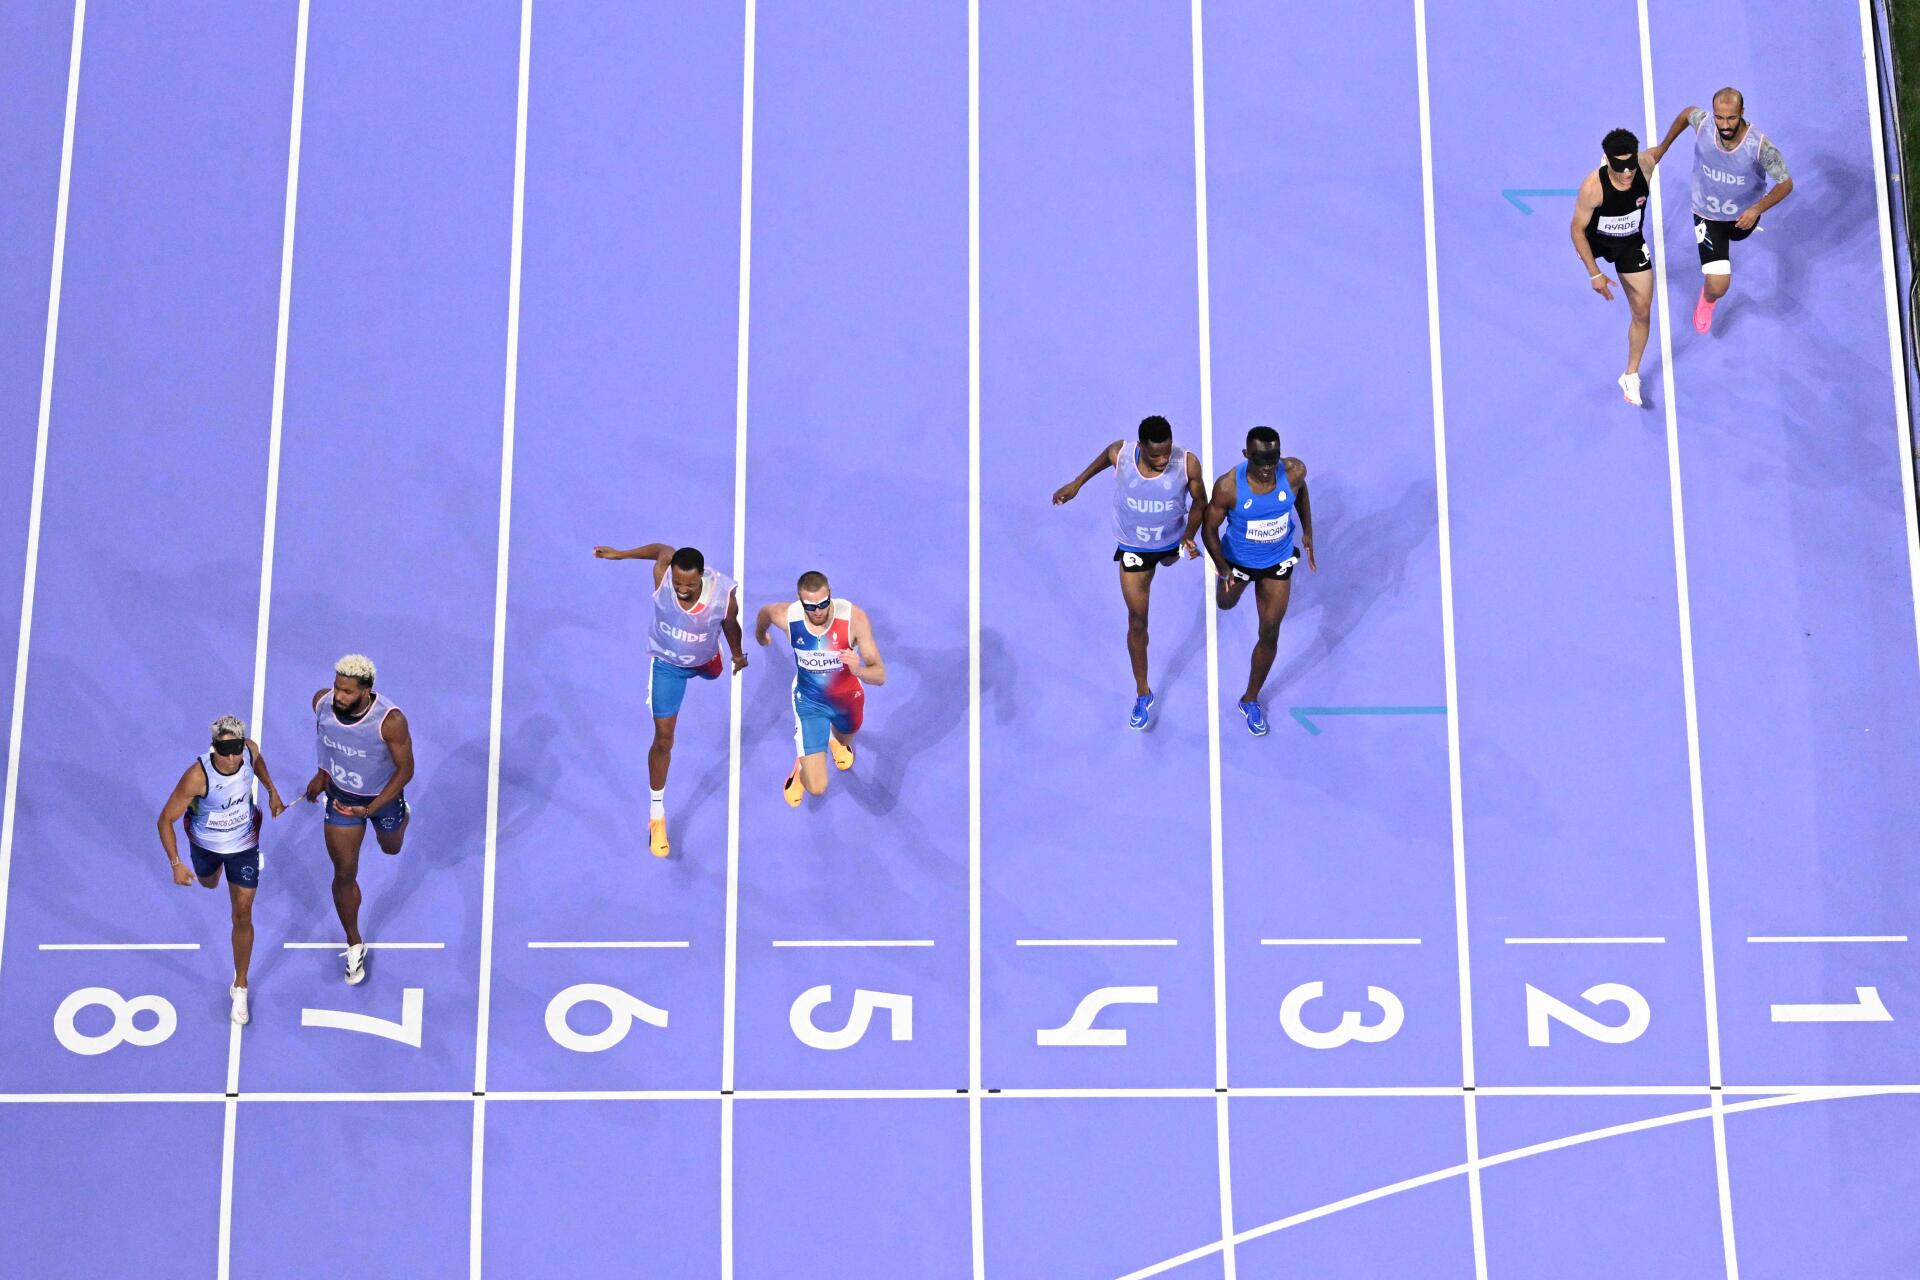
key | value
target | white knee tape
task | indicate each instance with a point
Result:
(1721, 268)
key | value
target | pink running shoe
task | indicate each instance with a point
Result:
(1703, 312)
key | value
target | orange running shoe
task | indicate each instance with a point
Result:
(842, 753)
(657, 837)
(791, 788)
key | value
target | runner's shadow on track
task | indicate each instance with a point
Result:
(1189, 647)
(937, 706)
(1372, 553)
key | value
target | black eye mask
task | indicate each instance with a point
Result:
(229, 747)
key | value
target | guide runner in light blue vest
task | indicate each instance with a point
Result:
(1158, 495)
(215, 797)
(365, 752)
(693, 606)
(1256, 528)
(1733, 165)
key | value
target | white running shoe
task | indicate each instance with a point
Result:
(1630, 388)
(239, 997)
(356, 956)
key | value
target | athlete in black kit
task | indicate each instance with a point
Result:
(1608, 221)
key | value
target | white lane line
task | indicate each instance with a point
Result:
(1445, 526)
(1216, 836)
(1096, 942)
(1896, 357)
(1546, 942)
(1339, 942)
(606, 946)
(269, 532)
(30, 579)
(1829, 937)
(118, 946)
(502, 553)
(371, 946)
(1709, 982)
(853, 942)
(734, 704)
(976, 1173)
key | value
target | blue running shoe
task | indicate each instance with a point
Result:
(1142, 711)
(1256, 718)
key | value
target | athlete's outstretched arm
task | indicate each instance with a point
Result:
(1297, 477)
(274, 802)
(764, 620)
(1196, 507)
(192, 784)
(1583, 206)
(399, 739)
(1651, 156)
(1217, 510)
(1101, 462)
(659, 552)
(730, 628)
(868, 665)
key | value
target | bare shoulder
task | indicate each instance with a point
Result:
(1223, 487)
(316, 699)
(1296, 471)
(393, 726)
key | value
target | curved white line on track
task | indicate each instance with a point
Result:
(1488, 1162)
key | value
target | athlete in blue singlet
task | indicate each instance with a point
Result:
(1267, 525)
(834, 654)
(693, 607)
(216, 798)
(365, 751)
(1158, 495)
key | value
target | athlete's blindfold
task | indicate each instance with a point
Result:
(1264, 459)
(817, 606)
(229, 747)
(1622, 164)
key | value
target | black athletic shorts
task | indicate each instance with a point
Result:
(1714, 239)
(1132, 560)
(1628, 253)
(1275, 572)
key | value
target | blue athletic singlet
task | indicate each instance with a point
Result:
(1150, 512)
(221, 821)
(1259, 528)
(354, 755)
(689, 636)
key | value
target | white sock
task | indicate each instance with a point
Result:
(658, 807)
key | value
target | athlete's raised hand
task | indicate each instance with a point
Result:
(1065, 493)
(1602, 286)
(608, 553)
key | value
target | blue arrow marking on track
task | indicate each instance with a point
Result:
(1514, 194)
(1303, 714)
